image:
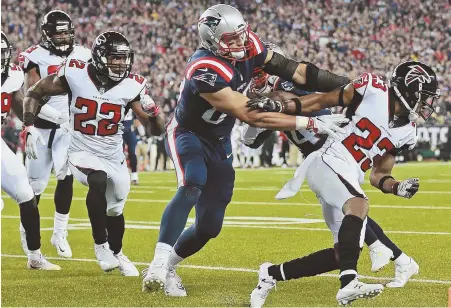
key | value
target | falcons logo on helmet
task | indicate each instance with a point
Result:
(417, 73)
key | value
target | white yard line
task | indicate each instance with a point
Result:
(235, 269)
(278, 223)
(281, 203)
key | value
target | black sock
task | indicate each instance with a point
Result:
(348, 246)
(29, 217)
(319, 262)
(370, 236)
(115, 226)
(38, 197)
(63, 194)
(133, 161)
(96, 204)
(384, 239)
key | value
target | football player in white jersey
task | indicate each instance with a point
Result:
(39, 61)
(14, 176)
(102, 90)
(383, 122)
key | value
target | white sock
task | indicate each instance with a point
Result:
(402, 259)
(162, 252)
(60, 222)
(174, 259)
(134, 176)
(21, 228)
(34, 254)
(377, 243)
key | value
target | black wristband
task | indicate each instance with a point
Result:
(34, 95)
(297, 101)
(382, 181)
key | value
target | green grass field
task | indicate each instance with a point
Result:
(257, 228)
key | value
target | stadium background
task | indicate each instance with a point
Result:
(347, 37)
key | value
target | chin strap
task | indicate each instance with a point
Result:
(413, 116)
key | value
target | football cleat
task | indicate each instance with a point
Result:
(126, 267)
(380, 257)
(105, 257)
(265, 284)
(357, 290)
(154, 278)
(174, 286)
(403, 272)
(59, 241)
(38, 262)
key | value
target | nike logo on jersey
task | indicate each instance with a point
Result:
(205, 69)
(228, 155)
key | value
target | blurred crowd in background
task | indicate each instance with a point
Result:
(347, 37)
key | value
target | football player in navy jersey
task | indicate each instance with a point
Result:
(198, 136)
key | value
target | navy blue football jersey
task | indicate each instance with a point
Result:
(208, 73)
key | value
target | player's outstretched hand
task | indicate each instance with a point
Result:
(407, 188)
(32, 137)
(327, 124)
(265, 104)
(149, 106)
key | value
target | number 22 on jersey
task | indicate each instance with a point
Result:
(105, 127)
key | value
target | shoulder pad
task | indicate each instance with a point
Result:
(368, 83)
(204, 63)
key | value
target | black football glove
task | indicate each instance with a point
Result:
(265, 104)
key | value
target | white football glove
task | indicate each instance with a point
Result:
(149, 106)
(32, 136)
(407, 188)
(327, 124)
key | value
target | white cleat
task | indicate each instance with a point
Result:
(357, 290)
(174, 286)
(265, 284)
(403, 272)
(23, 242)
(154, 278)
(105, 257)
(40, 263)
(380, 257)
(126, 267)
(59, 241)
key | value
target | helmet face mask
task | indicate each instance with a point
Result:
(416, 86)
(112, 56)
(58, 33)
(235, 45)
(259, 80)
(6, 53)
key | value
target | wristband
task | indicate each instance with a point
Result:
(382, 181)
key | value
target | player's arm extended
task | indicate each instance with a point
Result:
(381, 178)
(153, 121)
(343, 96)
(48, 86)
(307, 75)
(234, 103)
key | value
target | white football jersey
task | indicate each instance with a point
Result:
(12, 84)
(97, 116)
(371, 133)
(48, 64)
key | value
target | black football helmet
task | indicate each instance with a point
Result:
(57, 32)
(416, 86)
(112, 55)
(6, 53)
